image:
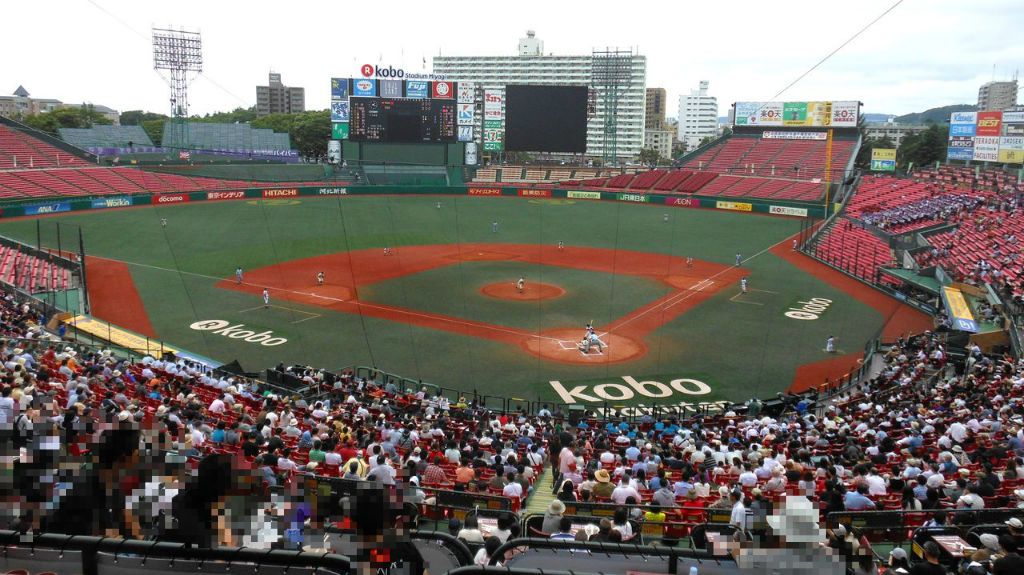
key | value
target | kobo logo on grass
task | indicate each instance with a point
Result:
(810, 309)
(238, 331)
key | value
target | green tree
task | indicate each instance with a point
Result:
(155, 130)
(50, 122)
(650, 156)
(137, 117)
(275, 122)
(924, 148)
(310, 132)
(236, 116)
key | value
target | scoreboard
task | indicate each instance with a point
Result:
(402, 120)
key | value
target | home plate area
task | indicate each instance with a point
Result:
(563, 346)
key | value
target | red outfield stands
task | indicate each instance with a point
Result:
(21, 151)
(798, 159)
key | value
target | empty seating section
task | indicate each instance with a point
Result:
(994, 238)
(798, 159)
(696, 182)
(853, 249)
(106, 136)
(672, 180)
(964, 177)
(32, 273)
(620, 181)
(21, 151)
(645, 180)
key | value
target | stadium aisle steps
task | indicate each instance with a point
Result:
(542, 497)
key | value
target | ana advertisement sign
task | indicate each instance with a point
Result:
(339, 110)
(958, 310)
(883, 159)
(794, 113)
(989, 123)
(986, 149)
(334, 152)
(417, 89)
(960, 153)
(53, 208)
(467, 92)
(465, 114)
(963, 118)
(339, 88)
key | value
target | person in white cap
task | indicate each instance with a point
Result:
(796, 543)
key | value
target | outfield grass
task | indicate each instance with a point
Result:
(739, 349)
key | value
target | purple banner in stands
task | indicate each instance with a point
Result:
(287, 156)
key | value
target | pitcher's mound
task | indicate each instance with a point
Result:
(532, 291)
(561, 345)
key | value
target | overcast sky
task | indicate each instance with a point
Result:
(924, 53)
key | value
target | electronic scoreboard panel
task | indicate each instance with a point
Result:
(402, 120)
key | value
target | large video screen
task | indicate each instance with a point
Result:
(546, 118)
(402, 120)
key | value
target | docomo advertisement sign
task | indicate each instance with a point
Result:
(237, 331)
(788, 211)
(989, 123)
(631, 389)
(484, 191)
(235, 195)
(170, 198)
(531, 193)
(281, 193)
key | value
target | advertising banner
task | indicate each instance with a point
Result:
(364, 87)
(819, 113)
(624, 197)
(493, 105)
(1013, 118)
(989, 123)
(484, 191)
(1011, 149)
(532, 193)
(169, 198)
(844, 113)
(333, 151)
(339, 88)
(1013, 129)
(47, 208)
(963, 118)
(958, 310)
(794, 113)
(737, 206)
(465, 112)
(339, 131)
(471, 154)
(767, 135)
(746, 113)
(232, 195)
(281, 193)
(467, 92)
(115, 202)
(883, 159)
(494, 124)
(986, 149)
(965, 130)
(682, 202)
(465, 133)
(769, 114)
(390, 88)
(494, 140)
(788, 211)
(340, 110)
(444, 90)
(960, 153)
(118, 336)
(961, 142)
(581, 195)
(417, 89)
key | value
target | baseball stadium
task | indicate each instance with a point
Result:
(475, 333)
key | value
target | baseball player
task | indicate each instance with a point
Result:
(320, 278)
(739, 258)
(494, 227)
(561, 246)
(266, 298)
(743, 285)
(689, 262)
(387, 251)
(520, 284)
(830, 344)
(163, 222)
(238, 274)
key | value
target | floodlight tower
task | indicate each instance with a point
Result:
(611, 76)
(175, 54)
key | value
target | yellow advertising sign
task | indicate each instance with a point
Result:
(118, 336)
(1011, 156)
(958, 309)
(738, 206)
(883, 153)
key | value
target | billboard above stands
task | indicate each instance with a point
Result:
(986, 149)
(1011, 149)
(837, 114)
(989, 123)
(960, 153)
(339, 88)
(494, 105)
(963, 118)
(465, 114)
(339, 110)
(465, 133)
(364, 87)
(390, 88)
(883, 159)
(958, 310)
(467, 92)
(339, 131)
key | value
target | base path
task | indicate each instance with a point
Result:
(532, 291)
(345, 273)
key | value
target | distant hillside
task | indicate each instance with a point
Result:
(936, 115)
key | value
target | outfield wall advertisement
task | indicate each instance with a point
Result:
(833, 114)
(989, 136)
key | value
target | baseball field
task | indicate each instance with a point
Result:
(660, 286)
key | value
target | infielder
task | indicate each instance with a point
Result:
(743, 285)
(739, 258)
(238, 274)
(320, 278)
(520, 284)
(266, 298)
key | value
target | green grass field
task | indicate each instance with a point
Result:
(740, 347)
